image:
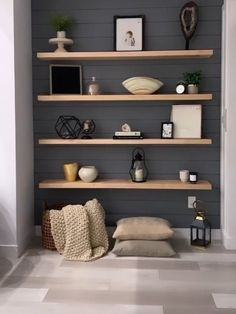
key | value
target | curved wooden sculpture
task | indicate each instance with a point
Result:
(189, 20)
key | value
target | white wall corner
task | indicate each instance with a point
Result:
(24, 124)
(229, 242)
(16, 158)
(7, 112)
(228, 127)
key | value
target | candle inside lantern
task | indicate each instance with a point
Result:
(139, 175)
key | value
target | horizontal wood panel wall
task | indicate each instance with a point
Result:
(93, 31)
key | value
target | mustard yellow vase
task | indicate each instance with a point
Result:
(71, 171)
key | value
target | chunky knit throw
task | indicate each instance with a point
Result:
(79, 232)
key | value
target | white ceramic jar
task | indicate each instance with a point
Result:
(88, 173)
(184, 175)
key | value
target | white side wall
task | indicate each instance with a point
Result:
(7, 128)
(228, 156)
(16, 144)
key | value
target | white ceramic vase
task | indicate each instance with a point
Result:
(88, 173)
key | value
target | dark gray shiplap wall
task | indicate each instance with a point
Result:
(93, 31)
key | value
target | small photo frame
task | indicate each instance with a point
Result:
(167, 130)
(128, 33)
(65, 79)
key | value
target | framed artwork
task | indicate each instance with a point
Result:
(65, 79)
(167, 129)
(128, 33)
(187, 120)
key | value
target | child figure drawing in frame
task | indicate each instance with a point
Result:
(129, 39)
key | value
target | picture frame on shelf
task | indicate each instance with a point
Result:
(129, 33)
(167, 130)
(65, 79)
(187, 120)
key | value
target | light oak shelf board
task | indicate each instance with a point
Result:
(106, 141)
(127, 97)
(126, 184)
(125, 55)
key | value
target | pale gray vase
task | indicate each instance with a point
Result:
(192, 89)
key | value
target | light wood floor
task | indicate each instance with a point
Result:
(196, 281)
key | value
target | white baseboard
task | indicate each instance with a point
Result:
(9, 252)
(180, 233)
(25, 241)
(228, 242)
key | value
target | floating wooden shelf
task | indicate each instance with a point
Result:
(125, 55)
(126, 184)
(126, 97)
(107, 141)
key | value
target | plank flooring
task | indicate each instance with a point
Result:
(193, 281)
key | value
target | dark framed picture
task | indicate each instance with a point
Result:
(65, 79)
(167, 130)
(128, 33)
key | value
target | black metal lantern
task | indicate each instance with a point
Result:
(200, 227)
(138, 170)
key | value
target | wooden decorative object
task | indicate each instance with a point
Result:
(189, 20)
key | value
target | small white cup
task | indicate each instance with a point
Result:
(184, 175)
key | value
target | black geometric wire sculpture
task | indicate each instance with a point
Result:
(87, 128)
(68, 127)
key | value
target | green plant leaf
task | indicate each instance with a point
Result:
(192, 77)
(61, 22)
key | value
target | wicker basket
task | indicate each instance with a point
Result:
(47, 238)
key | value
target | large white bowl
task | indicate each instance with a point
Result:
(142, 85)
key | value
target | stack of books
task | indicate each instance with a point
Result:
(128, 135)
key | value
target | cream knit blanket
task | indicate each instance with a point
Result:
(79, 232)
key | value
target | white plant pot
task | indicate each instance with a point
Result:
(61, 34)
(88, 173)
(192, 89)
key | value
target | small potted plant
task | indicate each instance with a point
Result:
(192, 80)
(61, 23)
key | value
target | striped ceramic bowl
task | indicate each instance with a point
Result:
(142, 85)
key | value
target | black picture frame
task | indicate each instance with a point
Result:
(65, 79)
(167, 130)
(129, 33)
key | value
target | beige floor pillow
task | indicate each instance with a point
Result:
(143, 248)
(143, 228)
